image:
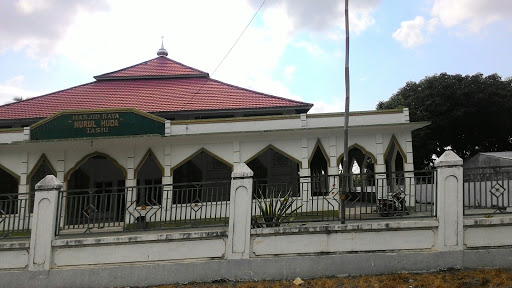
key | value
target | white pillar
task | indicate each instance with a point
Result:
(240, 203)
(410, 184)
(449, 202)
(380, 169)
(43, 223)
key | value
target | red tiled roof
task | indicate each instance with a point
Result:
(160, 66)
(157, 94)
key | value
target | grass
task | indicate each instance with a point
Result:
(178, 224)
(450, 278)
(22, 234)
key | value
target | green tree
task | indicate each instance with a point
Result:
(469, 114)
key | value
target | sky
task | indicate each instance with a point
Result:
(292, 48)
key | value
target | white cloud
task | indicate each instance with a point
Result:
(326, 15)
(37, 26)
(472, 15)
(13, 88)
(410, 33)
(326, 107)
(289, 71)
(312, 48)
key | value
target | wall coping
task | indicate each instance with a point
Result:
(494, 220)
(378, 225)
(133, 238)
(14, 244)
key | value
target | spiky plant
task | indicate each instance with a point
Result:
(274, 209)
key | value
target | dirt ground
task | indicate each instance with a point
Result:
(449, 278)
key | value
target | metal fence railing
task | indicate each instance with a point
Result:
(370, 196)
(15, 215)
(143, 207)
(487, 190)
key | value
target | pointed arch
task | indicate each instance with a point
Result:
(42, 168)
(270, 146)
(197, 153)
(149, 153)
(91, 155)
(149, 180)
(42, 160)
(8, 171)
(275, 172)
(394, 141)
(201, 177)
(355, 145)
(318, 170)
(318, 145)
(9, 187)
(99, 183)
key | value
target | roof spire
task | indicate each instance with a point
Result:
(162, 51)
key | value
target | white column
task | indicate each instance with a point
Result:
(305, 183)
(23, 187)
(130, 192)
(333, 166)
(410, 184)
(240, 203)
(167, 181)
(43, 223)
(236, 153)
(449, 202)
(380, 168)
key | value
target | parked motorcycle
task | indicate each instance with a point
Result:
(392, 205)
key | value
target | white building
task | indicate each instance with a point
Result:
(162, 122)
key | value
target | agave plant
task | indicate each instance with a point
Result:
(274, 209)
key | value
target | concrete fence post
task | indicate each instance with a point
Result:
(43, 223)
(240, 204)
(449, 202)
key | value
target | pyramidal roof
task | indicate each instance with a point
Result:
(157, 85)
(158, 67)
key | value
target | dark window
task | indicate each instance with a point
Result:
(274, 174)
(8, 193)
(149, 182)
(201, 179)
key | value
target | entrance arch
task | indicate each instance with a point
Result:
(275, 172)
(202, 177)
(95, 190)
(42, 169)
(318, 168)
(149, 174)
(9, 183)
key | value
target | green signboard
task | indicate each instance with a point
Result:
(97, 123)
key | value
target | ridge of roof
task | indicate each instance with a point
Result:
(171, 68)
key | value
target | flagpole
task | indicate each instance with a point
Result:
(345, 126)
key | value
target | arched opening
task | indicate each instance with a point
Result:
(274, 173)
(8, 192)
(149, 181)
(318, 171)
(394, 157)
(96, 191)
(362, 178)
(395, 163)
(203, 177)
(360, 160)
(42, 168)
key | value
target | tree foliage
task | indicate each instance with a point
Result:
(469, 114)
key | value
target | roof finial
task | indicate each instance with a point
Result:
(162, 51)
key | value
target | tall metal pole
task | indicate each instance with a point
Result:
(346, 171)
